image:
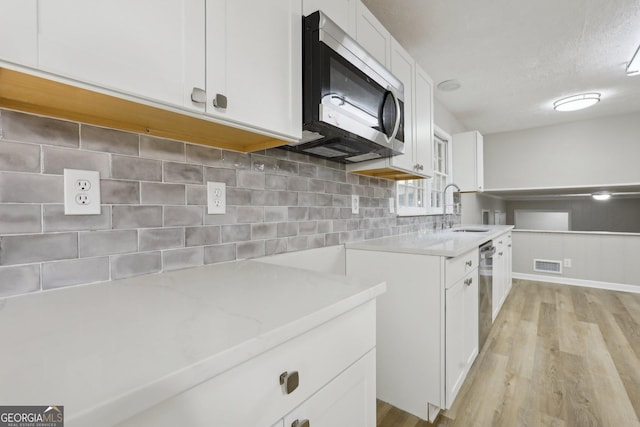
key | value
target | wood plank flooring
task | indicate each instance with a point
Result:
(557, 355)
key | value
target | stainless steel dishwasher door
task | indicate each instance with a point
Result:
(485, 297)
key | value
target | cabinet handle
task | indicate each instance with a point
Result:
(500, 253)
(468, 263)
(416, 166)
(303, 423)
(468, 281)
(220, 101)
(290, 381)
(509, 245)
(421, 167)
(499, 242)
(199, 96)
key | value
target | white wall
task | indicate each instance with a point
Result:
(593, 152)
(596, 258)
(445, 120)
(474, 203)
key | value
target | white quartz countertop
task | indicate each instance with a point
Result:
(107, 351)
(448, 243)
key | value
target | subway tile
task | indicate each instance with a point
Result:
(182, 258)
(353, 178)
(124, 167)
(19, 280)
(275, 182)
(246, 250)
(324, 200)
(238, 196)
(278, 153)
(353, 224)
(297, 243)
(54, 219)
(39, 130)
(124, 217)
(235, 160)
(332, 213)
(325, 227)
(236, 233)
(97, 243)
(230, 217)
(285, 167)
(332, 239)
(346, 213)
(260, 163)
(316, 241)
(307, 227)
(250, 179)
(339, 225)
(331, 187)
(341, 201)
(287, 229)
(117, 192)
(30, 188)
(363, 180)
(297, 183)
(308, 170)
(346, 189)
(183, 173)
(228, 176)
(264, 231)
(74, 272)
(316, 213)
(219, 253)
(306, 199)
(17, 157)
(339, 176)
(162, 149)
(298, 213)
(130, 265)
(55, 160)
(20, 218)
(183, 215)
(24, 249)
(351, 236)
(202, 236)
(108, 140)
(299, 157)
(325, 173)
(155, 193)
(275, 213)
(248, 214)
(316, 186)
(275, 246)
(196, 195)
(264, 198)
(202, 155)
(161, 238)
(287, 198)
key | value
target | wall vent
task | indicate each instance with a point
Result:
(547, 266)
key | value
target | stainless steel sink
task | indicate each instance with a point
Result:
(470, 230)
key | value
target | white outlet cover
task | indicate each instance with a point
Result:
(81, 192)
(355, 204)
(216, 198)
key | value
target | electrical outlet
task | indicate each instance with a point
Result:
(567, 262)
(355, 204)
(216, 198)
(81, 192)
(392, 207)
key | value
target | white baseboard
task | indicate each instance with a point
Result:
(579, 282)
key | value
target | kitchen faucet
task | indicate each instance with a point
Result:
(444, 202)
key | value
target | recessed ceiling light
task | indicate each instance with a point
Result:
(576, 102)
(633, 69)
(449, 85)
(601, 195)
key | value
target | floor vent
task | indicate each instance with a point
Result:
(547, 266)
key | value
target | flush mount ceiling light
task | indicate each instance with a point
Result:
(449, 85)
(576, 102)
(601, 195)
(633, 69)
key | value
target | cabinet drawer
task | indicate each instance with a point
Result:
(458, 267)
(251, 395)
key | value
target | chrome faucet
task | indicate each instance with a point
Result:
(444, 202)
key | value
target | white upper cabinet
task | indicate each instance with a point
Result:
(254, 64)
(372, 35)
(342, 12)
(468, 170)
(423, 123)
(19, 32)
(145, 48)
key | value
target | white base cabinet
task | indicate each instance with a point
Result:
(501, 272)
(335, 367)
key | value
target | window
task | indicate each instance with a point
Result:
(424, 196)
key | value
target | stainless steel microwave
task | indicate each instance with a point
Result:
(353, 107)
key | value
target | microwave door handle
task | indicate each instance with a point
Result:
(396, 128)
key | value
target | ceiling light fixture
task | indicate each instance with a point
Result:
(576, 102)
(449, 85)
(633, 69)
(601, 195)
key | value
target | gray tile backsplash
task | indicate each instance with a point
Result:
(154, 205)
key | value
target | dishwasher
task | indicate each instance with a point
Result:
(485, 291)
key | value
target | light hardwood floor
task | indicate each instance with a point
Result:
(557, 355)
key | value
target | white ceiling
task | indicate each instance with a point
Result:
(515, 57)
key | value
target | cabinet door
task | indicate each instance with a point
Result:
(254, 60)
(146, 48)
(508, 250)
(471, 319)
(468, 169)
(498, 280)
(19, 32)
(342, 12)
(402, 66)
(423, 144)
(372, 35)
(348, 400)
(455, 360)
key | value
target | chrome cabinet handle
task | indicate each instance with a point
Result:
(509, 245)
(220, 101)
(289, 381)
(421, 167)
(469, 263)
(500, 253)
(199, 96)
(303, 423)
(468, 281)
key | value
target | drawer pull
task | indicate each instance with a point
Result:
(469, 263)
(500, 253)
(290, 381)
(220, 101)
(468, 281)
(509, 245)
(303, 423)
